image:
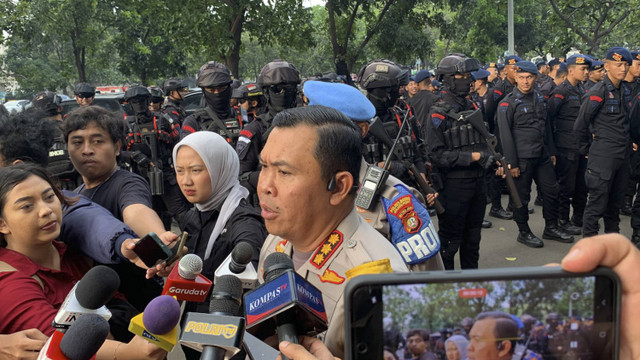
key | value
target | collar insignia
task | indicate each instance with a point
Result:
(326, 249)
(332, 277)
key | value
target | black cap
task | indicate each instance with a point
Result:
(83, 88)
(47, 101)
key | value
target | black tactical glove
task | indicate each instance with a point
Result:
(486, 160)
(141, 159)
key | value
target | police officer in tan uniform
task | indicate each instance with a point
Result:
(352, 103)
(307, 203)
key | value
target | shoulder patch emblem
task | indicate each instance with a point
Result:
(280, 246)
(559, 96)
(246, 133)
(595, 98)
(402, 208)
(332, 277)
(326, 249)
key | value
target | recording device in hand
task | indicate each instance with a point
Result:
(285, 304)
(381, 305)
(88, 296)
(238, 264)
(219, 334)
(81, 341)
(158, 323)
(185, 281)
(151, 250)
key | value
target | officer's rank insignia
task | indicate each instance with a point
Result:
(403, 210)
(512, 61)
(580, 60)
(331, 276)
(280, 246)
(326, 249)
(616, 56)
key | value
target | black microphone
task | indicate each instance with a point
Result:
(81, 341)
(218, 334)
(88, 296)
(285, 304)
(238, 263)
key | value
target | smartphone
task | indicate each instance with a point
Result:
(178, 249)
(545, 311)
(151, 250)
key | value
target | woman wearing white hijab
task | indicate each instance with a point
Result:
(456, 347)
(207, 172)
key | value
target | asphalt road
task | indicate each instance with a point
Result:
(499, 248)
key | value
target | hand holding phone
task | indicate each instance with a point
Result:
(151, 250)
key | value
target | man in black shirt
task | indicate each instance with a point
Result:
(564, 105)
(602, 132)
(527, 145)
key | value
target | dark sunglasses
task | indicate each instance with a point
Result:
(85, 96)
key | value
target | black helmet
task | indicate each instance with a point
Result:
(379, 73)
(47, 101)
(136, 91)
(83, 88)
(213, 74)
(456, 64)
(278, 72)
(246, 91)
(405, 76)
(173, 84)
(156, 93)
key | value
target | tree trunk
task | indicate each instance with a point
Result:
(232, 60)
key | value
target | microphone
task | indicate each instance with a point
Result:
(158, 323)
(219, 334)
(81, 341)
(185, 282)
(238, 264)
(88, 296)
(285, 304)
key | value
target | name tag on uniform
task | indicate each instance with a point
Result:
(412, 231)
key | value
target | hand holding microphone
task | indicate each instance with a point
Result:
(185, 281)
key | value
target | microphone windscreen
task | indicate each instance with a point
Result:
(242, 253)
(161, 315)
(275, 265)
(226, 295)
(190, 266)
(97, 287)
(84, 337)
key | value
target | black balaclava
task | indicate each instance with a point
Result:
(219, 103)
(383, 98)
(140, 105)
(282, 100)
(459, 87)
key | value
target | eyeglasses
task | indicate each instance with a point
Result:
(279, 89)
(136, 100)
(85, 95)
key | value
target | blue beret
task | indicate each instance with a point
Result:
(499, 67)
(436, 83)
(344, 98)
(635, 55)
(491, 65)
(563, 67)
(596, 64)
(480, 74)
(617, 53)
(553, 62)
(579, 59)
(540, 63)
(512, 59)
(527, 66)
(422, 74)
(412, 78)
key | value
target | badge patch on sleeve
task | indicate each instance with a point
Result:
(412, 232)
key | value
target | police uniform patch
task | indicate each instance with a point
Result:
(579, 60)
(280, 246)
(326, 249)
(512, 61)
(616, 56)
(332, 277)
(382, 68)
(403, 210)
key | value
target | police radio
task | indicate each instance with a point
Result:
(374, 179)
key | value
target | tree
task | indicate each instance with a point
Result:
(591, 22)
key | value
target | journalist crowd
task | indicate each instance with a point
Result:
(392, 170)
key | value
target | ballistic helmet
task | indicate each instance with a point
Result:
(278, 72)
(136, 91)
(456, 64)
(173, 84)
(380, 73)
(213, 74)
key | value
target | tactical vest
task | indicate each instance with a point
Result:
(146, 136)
(459, 134)
(375, 150)
(60, 165)
(227, 128)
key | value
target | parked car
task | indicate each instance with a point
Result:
(111, 102)
(193, 101)
(16, 106)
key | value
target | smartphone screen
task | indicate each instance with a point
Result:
(553, 316)
(150, 249)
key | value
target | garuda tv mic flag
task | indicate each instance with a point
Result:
(185, 281)
(238, 264)
(285, 304)
(88, 296)
(81, 341)
(219, 334)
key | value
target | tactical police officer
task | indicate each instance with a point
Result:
(251, 102)
(84, 94)
(564, 105)
(157, 98)
(502, 88)
(172, 109)
(278, 80)
(596, 74)
(218, 116)
(546, 88)
(149, 142)
(424, 98)
(381, 78)
(631, 80)
(602, 132)
(460, 157)
(528, 149)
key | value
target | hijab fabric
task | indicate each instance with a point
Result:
(222, 163)
(461, 343)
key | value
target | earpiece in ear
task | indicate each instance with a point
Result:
(332, 183)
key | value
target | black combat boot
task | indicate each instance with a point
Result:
(569, 228)
(527, 238)
(553, 232)
(500, 213)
